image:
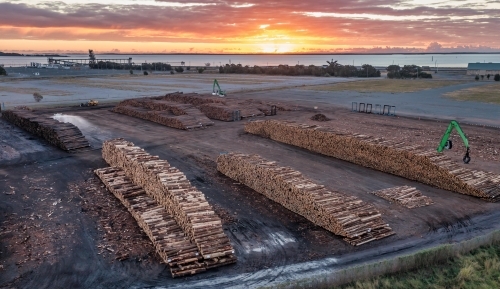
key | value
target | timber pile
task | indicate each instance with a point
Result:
(171, 189)
(192, 98)
(170, 243)
(217, 111)
(409, 161)
(176, 117)
(65, 136)
(406, 196)
(218, 108)
(358, 222)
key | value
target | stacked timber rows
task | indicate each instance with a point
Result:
(170, 188)
(216, 107)
(398, 158)
(186, 111)
(167, 113)
(406, 196)
(358, 222)
(170, 242)
(65, 136)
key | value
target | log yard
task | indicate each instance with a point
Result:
(165, 183)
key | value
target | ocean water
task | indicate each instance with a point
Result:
(440, 60)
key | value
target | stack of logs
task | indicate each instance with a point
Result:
(409, 161)
(167, 113)
(65, 136)
(358, 222)
(170, 243)
(406, 196)
(170, 188)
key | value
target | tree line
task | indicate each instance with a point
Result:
(332, 69)
(407, 71)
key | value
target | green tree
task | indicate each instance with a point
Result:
(3, 71)
(368, 71)
(393, 71)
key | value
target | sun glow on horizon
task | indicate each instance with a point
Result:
(277, 48)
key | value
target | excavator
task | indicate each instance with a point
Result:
(447, 144)
(218, 91)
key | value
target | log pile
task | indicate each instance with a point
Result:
(409, 161)
(192, 98)
(180, 116)
(219, 108)
(65, 136)
(171, 189)
(406, 196)
(217, 111)
(167, 237)
(358, 222)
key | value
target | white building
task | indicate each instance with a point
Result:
(479, 68)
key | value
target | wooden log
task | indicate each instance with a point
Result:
(173, 246)
(171, 189)
(398, 158)
(406, 196)
(343, 215)
(65, 136)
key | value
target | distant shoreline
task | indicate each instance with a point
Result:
(13, 54)
(253, 54)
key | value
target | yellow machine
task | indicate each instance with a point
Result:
(91, 102)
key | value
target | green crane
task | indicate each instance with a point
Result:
(447, 144)
(218, 91)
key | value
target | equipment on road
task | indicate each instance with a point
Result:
(218, 91)
(91, 102)
(447, 144)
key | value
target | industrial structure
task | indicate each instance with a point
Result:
(479, 68)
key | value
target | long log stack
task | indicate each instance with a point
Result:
(65, 136)
(358, 222)
(171, 189)
(167, 113)
(170, 242)
(406, 196)
(219, 108)
(191, 98)
(409, 161)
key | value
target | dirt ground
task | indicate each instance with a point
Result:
(60, 228)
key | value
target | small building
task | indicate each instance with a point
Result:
(480, 68)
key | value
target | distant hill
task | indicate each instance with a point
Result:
(10, 54)
(36, 55)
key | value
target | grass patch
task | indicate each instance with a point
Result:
(473, 263)
(479, 269)
(386, 85)
(489, 93)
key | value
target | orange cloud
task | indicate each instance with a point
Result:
(246, 27)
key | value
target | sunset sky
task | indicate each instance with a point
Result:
(254, 26)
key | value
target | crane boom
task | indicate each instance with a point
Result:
(217, 91)
(445, 143)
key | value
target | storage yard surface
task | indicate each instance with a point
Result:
(61, 228)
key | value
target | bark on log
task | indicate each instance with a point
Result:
(406, 196)
(358, 222)
(398, 158)
(173, 246)
(65, 136)
(171, 189)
